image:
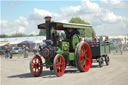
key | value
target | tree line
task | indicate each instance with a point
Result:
(15, 35)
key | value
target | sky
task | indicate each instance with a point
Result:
(108, 17)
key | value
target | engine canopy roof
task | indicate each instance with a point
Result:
(63, 26)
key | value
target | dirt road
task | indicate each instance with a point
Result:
(16, 72)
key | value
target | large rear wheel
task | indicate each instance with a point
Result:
(59, 65)
(36, 66)
(83, 57)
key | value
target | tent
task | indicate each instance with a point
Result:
(29, 44)
(4, 43)
(14, 42)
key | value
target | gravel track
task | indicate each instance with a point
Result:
(16, 72)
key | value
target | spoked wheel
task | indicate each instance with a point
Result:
(36, 66)
(83, 57)
(59, 65)
(107, 60)
(101, 61)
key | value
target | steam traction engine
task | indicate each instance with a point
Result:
(59, 53)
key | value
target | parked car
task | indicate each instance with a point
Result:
(1, 51)
(125, 47)
(16, 50)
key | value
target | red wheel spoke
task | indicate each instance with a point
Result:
(35, 61)
(87, 58)
(57, 61)
(82, 54)
(85, 51)
(35, 65)
(60, 60)
(58, 64)
(84, 62)
(81, 61)
(38, 63)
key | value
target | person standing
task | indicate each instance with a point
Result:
(107, 39)
(10, 52)
(6, 51)
(121, 47)
(25, 50)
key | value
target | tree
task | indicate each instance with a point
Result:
(85, 32)
(3, 36)
(78, 20)
(15, 35)
(18, 35)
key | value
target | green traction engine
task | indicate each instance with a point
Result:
(59, 53)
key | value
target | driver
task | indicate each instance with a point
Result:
(54, 35)
(70, 32)
(75, 31)
(67, 34)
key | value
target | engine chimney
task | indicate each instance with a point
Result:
(47, 27)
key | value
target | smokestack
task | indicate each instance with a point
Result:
(47, 27)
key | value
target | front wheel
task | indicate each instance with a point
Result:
(36, 66)
(59, 65)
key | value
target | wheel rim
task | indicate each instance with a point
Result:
(85, 57)
(60, 65)
(36, 66)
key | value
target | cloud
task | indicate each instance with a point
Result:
(115, 3)
(13, 3)
(21, 29)
(104, 21)
(22, 21)
(17, 26)
(111, 17)
(41, 12)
